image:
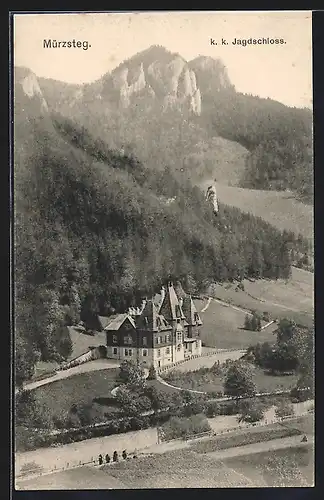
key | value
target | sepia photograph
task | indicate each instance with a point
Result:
(163, 250)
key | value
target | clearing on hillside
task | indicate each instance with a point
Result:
(279, 208)
(223, 327)
(291, 298)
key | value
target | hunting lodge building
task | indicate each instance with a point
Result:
(156, 334)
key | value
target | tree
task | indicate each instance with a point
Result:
(251, 411)
(247, 322)
(239, 380)
(132, 373)
(253, 322)
(256, 322)
(152, 373)
(25, 359)
(286, 330)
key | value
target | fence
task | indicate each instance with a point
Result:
(221, 432)
(32, 469)
(195, 356)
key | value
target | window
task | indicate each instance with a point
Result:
(159, 353)
(126, 352)
(196, 317)
(128, 340)
(114, 339)
(130, 352)
(179, 348)
(115, 350)
(179, 337)
(167, 338)
(144, 352)
(168, 350)
(144, 340)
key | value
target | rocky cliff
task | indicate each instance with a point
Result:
(155, 77)
(28, 91)
(167, 77)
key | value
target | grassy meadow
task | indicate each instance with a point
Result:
(58, 397)
(279, 208)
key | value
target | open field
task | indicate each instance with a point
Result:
(290, 466)
(292, 298)
(211, 382)
(279, 208)
(58, 397)
(286, 467)
(252, 435)
(223, 327)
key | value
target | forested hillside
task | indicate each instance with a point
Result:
(95, 230)
(279, 139)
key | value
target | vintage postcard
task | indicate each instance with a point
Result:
(163, 250)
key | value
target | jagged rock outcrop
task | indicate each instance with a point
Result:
(27, 86)
(128, 86)
(211, 74)
(167, 77)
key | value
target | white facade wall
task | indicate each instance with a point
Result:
(193, 348)
(122, 353)
(162, 356)
(158, 356)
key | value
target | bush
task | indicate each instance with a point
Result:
(152, 373)
(132, 374)
(183, 427)
(251, 411)
(253, 322)
(212, 409)
(284, 409)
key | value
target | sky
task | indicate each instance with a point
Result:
(281, 72)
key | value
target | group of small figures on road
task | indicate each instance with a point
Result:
(115, 457)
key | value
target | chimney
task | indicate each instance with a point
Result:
(162, 292)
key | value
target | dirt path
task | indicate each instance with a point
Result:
(82, 452)
(274, 444)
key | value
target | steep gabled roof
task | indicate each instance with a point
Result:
(170, 307)
(118, 321)
(191, 312)
(150, 319)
